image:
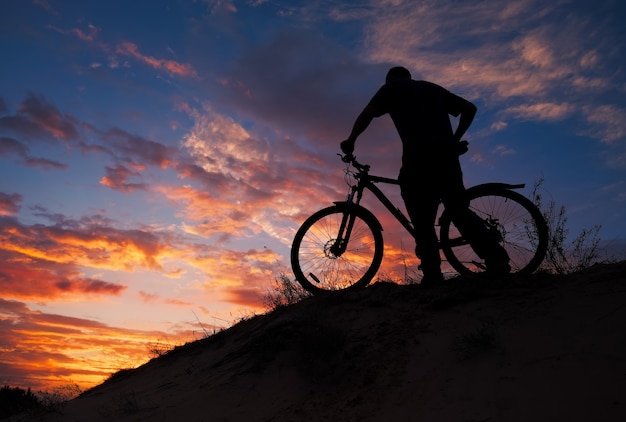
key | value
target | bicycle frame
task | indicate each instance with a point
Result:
(368, 181)
(365, 181)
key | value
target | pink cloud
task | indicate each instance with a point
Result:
(180, 69)
(10, 203)
(23, 277)
(36, 119)
(91, 36)
(46, 116)
(117, 176)
(137, 150)
(10, 146)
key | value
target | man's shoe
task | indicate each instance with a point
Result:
(498, 262)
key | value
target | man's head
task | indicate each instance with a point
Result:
(396, 73)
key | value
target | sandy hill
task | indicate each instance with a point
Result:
(541, 348)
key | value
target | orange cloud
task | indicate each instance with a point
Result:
(32, 278)
(34, 351)
(229, 273)
(217, 216)
(180, 69)
(127, 48)
(52, 254)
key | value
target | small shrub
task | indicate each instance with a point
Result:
(159, 349)
(14, 401)
(55, 400)
(284, 292)
(565, 257)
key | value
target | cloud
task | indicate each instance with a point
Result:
(70, 244)
(117, 176)
(222, 146)
(34, 353)
(301, 83)
(10, 203)
(534, 50)
(10, 146)
(498, 126)
(127, 48)
(47, 262)
(30, 278)
(148, 297)
(36, 119)
(608, 123)
(44, 164)
(45, 4)
(136, 149)
(247, 186)
(503, 150)
(90, 36)
(223, 6)
(216, 216)
(541, 111)
(237, 276)
(39, 120)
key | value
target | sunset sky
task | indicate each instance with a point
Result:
(157, 156)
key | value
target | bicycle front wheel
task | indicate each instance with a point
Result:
(516, 222)
(316, 263)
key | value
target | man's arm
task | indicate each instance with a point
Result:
(467, 110)
(361, 123)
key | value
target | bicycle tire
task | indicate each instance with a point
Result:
(523, 231)
(317, 269)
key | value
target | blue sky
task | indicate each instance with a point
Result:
(156, 157)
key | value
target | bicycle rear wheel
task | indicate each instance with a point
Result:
(517, 223)
(317, 268)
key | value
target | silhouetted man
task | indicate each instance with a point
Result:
(430, 171)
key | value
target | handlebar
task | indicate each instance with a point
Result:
(351, 159)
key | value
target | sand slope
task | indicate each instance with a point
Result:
(541, 348)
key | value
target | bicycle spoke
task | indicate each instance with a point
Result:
(324, 264)
(516, 222)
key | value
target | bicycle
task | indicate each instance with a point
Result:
(341, 247)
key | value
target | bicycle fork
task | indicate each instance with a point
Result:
(336, 247)
(340, 244)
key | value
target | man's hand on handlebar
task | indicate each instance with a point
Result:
(347, 147)
(350, 159)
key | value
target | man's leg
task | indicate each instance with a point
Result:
(421, 205)
(471, 226)
(473, 229)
